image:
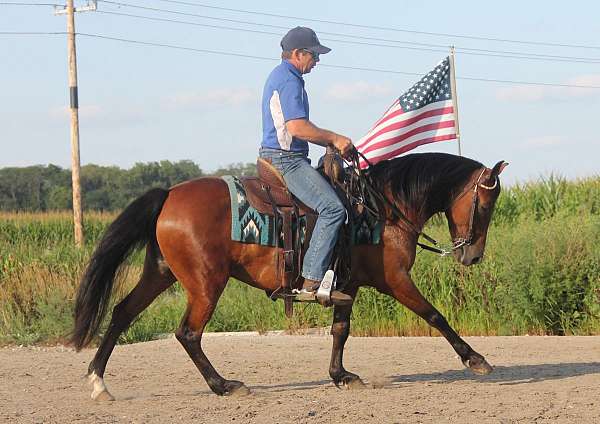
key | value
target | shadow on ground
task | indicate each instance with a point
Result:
(507, 375)
(503, 375)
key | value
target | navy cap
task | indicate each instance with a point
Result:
(303, 38)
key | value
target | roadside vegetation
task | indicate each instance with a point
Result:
(541, 275)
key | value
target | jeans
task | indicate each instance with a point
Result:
(313, 190)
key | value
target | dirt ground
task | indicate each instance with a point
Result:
(409, 380)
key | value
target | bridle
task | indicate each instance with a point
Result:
(457, 242)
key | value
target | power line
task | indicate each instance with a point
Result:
(385, 28)
(462, 50)
(389, 71)
(31, 33)
(261, 32)
(355, 68)
(29, 4)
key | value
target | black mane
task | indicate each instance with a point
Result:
(426, 182)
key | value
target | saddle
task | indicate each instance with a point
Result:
(268, 194)
(294, 221)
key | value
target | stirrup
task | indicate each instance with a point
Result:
(324, 290)
(304, 295)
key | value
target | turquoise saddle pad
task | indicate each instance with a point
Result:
(250, 226)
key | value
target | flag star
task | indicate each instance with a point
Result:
(411, 101)
(446, 85)
(428, 86)
(437, 96)
(414, 96)
(418, 104)
(447, 95)
(421, 98)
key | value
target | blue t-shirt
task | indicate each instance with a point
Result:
(284, 99)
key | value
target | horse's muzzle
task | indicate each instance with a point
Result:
(467, 255)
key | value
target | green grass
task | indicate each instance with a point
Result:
(541, 275)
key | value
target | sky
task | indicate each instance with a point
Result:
(141, 103)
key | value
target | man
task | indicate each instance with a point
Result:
(287, 131)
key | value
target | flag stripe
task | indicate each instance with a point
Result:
(428, 134)
(400, 127)
(393, 108)
(400, 136)
(401, 116)
(408, 141)
(405, 148)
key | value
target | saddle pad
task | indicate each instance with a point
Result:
(247, 224)
(366, 230)
(250, 226)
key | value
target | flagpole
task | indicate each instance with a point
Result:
(454, 98)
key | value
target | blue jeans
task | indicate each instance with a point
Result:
(313, 190)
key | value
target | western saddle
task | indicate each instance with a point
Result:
(268, 194)
(294, 221)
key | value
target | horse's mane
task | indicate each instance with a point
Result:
(426, 182)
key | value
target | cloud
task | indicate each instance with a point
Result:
(213, 98)
(105, 116)
(531, 93)
(546, 141)
(357, 91)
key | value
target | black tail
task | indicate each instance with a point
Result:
(133, 229)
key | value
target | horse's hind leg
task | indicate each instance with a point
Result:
(156, 278)
(405, 291)
(202, 300)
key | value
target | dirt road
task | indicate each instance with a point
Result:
(410, 380)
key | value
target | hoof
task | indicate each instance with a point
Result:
(103, 396)
(479, 366)
(99, 390)
(356, 384)
(350, 382)
(234, 388)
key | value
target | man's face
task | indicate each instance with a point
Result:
(306, 60)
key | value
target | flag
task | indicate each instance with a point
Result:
(424, 114)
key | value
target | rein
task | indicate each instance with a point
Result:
(366, 184)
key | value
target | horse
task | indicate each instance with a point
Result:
(186, 234)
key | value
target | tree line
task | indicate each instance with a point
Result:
(104, 188)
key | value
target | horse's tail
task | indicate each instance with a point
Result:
(133, 229)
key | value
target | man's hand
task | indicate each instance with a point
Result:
(343, 144)
(306, 130)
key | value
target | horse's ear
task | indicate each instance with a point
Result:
(497, 169)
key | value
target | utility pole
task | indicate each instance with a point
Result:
(70, 10)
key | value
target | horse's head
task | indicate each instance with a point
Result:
(470, 213)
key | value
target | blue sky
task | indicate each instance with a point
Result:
(141, 103)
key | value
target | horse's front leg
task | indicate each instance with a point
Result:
(403, 289)
(340, 329)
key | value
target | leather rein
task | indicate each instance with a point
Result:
(457, 243)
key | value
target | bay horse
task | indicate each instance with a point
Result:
(186, 233)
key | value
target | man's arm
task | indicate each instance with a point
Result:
(306, 130)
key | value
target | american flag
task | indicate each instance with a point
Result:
(422, 115)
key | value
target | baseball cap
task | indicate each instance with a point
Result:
(303, 38)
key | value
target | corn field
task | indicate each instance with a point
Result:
(541, 275)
